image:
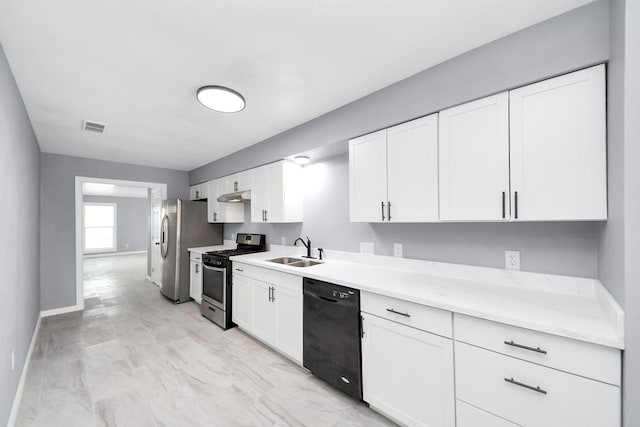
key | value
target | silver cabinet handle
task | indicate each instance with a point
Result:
(504, 206)
(265, 216)
(197, 194)
(239, 269)
(235, 185)
(215, 216)
(391, 310)
(388, 210)
(536, 349)
(273, 294)
(527, 386)
(515, 197)
(197, 268)
(382, 209)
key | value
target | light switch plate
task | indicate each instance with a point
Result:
(366, 248)
(397, 250)
(512, 260)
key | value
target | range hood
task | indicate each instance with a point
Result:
(236, 197)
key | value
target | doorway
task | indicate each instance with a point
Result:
(100, 198)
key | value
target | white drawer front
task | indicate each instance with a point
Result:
(289, 281)
(578, 357)
(470, 416)
(499, 384)
(408, 313)
(195, 256)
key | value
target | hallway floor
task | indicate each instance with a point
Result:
(132, 358)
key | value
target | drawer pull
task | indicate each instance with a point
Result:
(536, 349)
(530, 387)
(239, 269)
(391, 310)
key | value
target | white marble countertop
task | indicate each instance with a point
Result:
(227, 244)
(572, 307)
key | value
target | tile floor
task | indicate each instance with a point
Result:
(132, 358)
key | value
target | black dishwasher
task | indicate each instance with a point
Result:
(331, 335)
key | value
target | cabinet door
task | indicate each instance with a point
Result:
(407, 373)
(213, 206)
(263, 323)
(259, 194)
(558, 147)
(412, 174)
(470, 416)
(244, 180)
(474, 160)
(288, 322)
(368, 177)
(195, 282)
(242, 302)
(197, 192)
(275, 195)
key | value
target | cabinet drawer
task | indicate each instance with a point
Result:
(532, 395)
(578, 357)
(408, 313)
(289, 281)
(470, 416)
(195, 256)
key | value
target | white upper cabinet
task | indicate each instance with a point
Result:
(393, 173)
(223, 211)
(558, 148)
(412, 170)
(368, 177)
(474, 160)
(277, 193)
(199, 191)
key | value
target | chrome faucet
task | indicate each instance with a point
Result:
(306, 245)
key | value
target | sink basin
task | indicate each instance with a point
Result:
(285, 260)
(295, 262)
(304, 263)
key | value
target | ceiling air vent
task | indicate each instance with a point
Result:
(93, 126)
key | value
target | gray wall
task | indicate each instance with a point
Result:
(19, 228)
(573, 40)
(57, 219)
(132, 221)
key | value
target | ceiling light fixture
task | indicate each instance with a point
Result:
(302, 160)
(221, 99)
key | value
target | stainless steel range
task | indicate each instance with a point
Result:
(216, 279)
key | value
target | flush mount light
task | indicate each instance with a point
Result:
(221, 99)
(302, 160)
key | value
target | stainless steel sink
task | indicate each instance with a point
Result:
(304, 263)
(295, 262)
(285, 260)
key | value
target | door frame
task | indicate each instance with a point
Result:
(79, 180)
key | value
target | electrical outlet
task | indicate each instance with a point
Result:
(13, 360)
(283, 241)
(397, 250)
(366, 248)
(512, 260)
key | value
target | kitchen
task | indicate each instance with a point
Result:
(584, 249)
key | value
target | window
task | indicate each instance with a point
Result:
(99, 227)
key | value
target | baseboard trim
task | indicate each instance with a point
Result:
(151, 280)
(13, 415)
(61, 310)
(103, 254)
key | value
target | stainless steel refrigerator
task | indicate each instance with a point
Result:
(184, 225)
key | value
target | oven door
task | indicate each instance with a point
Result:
(214, 286)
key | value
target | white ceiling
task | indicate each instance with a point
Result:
(136, 65)
(111, 190)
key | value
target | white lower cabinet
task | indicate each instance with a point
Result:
(470, 416)
(532, 395)
(268, 305)
(407, 374)
(195, 278)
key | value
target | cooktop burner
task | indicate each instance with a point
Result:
(247, 244)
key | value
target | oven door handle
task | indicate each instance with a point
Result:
(222, 270)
